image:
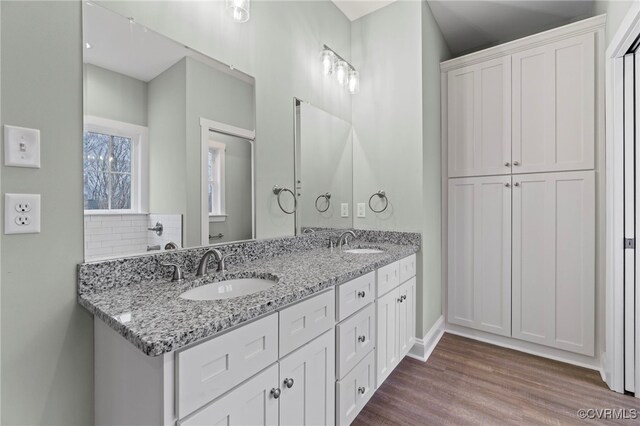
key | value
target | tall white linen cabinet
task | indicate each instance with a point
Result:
(523, 155)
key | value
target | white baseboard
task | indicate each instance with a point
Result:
(422, 349)
(592, 363)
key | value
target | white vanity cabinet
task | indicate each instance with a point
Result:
(310, 363)
(395, 320)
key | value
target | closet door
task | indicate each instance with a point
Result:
(479, 290)
(553, 106)
(554, 260)
(479, 119)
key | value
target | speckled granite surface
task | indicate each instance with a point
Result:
(144, 306)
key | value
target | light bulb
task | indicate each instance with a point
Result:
(354, 82)
(341, 72)
(327, 61)
(239, 10)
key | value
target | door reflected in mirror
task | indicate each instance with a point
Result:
(324, 170)
(168, 142)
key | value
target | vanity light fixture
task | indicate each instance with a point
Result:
(345, 73)
(239, 10)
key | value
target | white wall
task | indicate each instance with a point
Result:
(47, 347)
(396, 119)
(616, 11)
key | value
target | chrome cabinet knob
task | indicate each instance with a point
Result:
(399, 299)
(361, 294)
(507, 164)
(508, 185)
(362, 390)
(516, 184)
(361, 339)
(403, 297)
(288, 383)
(516, 163)
(275, 392)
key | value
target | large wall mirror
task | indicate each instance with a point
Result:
(324, 169)
(168, 142)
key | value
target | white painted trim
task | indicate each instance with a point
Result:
(556, 34)
(613, 359)
(592, 363)
(216, 126)
(423, 348)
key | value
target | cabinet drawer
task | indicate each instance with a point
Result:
(356, 338)
(249, 404)
(209, 369)
(407, 268)
(353, 392)
(388, 278)
(303, 322)
(355, 295)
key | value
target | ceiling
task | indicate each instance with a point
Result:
(470, 25)
(355, 9)
(473, 25)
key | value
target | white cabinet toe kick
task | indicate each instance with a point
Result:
(317, 361)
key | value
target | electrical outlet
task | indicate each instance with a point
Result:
(21, 213)
(362, 210)
(344, 210)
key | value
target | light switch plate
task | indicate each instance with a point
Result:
(21, 213)
(344, 210)
(362, 210)
(21, 147)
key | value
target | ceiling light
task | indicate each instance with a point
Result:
(346, 74)
(341, 72)
(239, 10)
(354, 82)
(328, 59)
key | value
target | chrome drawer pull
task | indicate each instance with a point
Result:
(361, 390)
(362, 339)
(275, 392)
(288, 383)
(361, 294)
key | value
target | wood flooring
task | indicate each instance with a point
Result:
(466, 382)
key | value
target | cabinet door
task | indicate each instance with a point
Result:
(553, 260)
(479, 256)
(386, 339)
(251, 403)
(554, 106)
(310, 371)
(479, 119)
(406, 317)
(354, 390)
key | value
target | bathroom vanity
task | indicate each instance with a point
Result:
(311, 349)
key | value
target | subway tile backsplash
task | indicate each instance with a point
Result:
(114, 235)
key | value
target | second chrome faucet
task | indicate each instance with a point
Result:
(220, 259)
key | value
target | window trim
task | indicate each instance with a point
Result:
(139, 136)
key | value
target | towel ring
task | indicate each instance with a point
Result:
(380, 194)
(326, 196)
(278, 191)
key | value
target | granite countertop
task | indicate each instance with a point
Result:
(153, 317)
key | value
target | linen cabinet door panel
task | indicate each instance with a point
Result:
(553, 107)
(479, 258)
(479, 119)
(307, 380)
(553, 260)
(251, 403)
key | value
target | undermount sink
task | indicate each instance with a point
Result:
(228, 289)
(363, 251)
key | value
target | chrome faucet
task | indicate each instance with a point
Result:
(342, 239)
(204, 261)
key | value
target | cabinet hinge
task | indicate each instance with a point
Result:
(629, 243)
